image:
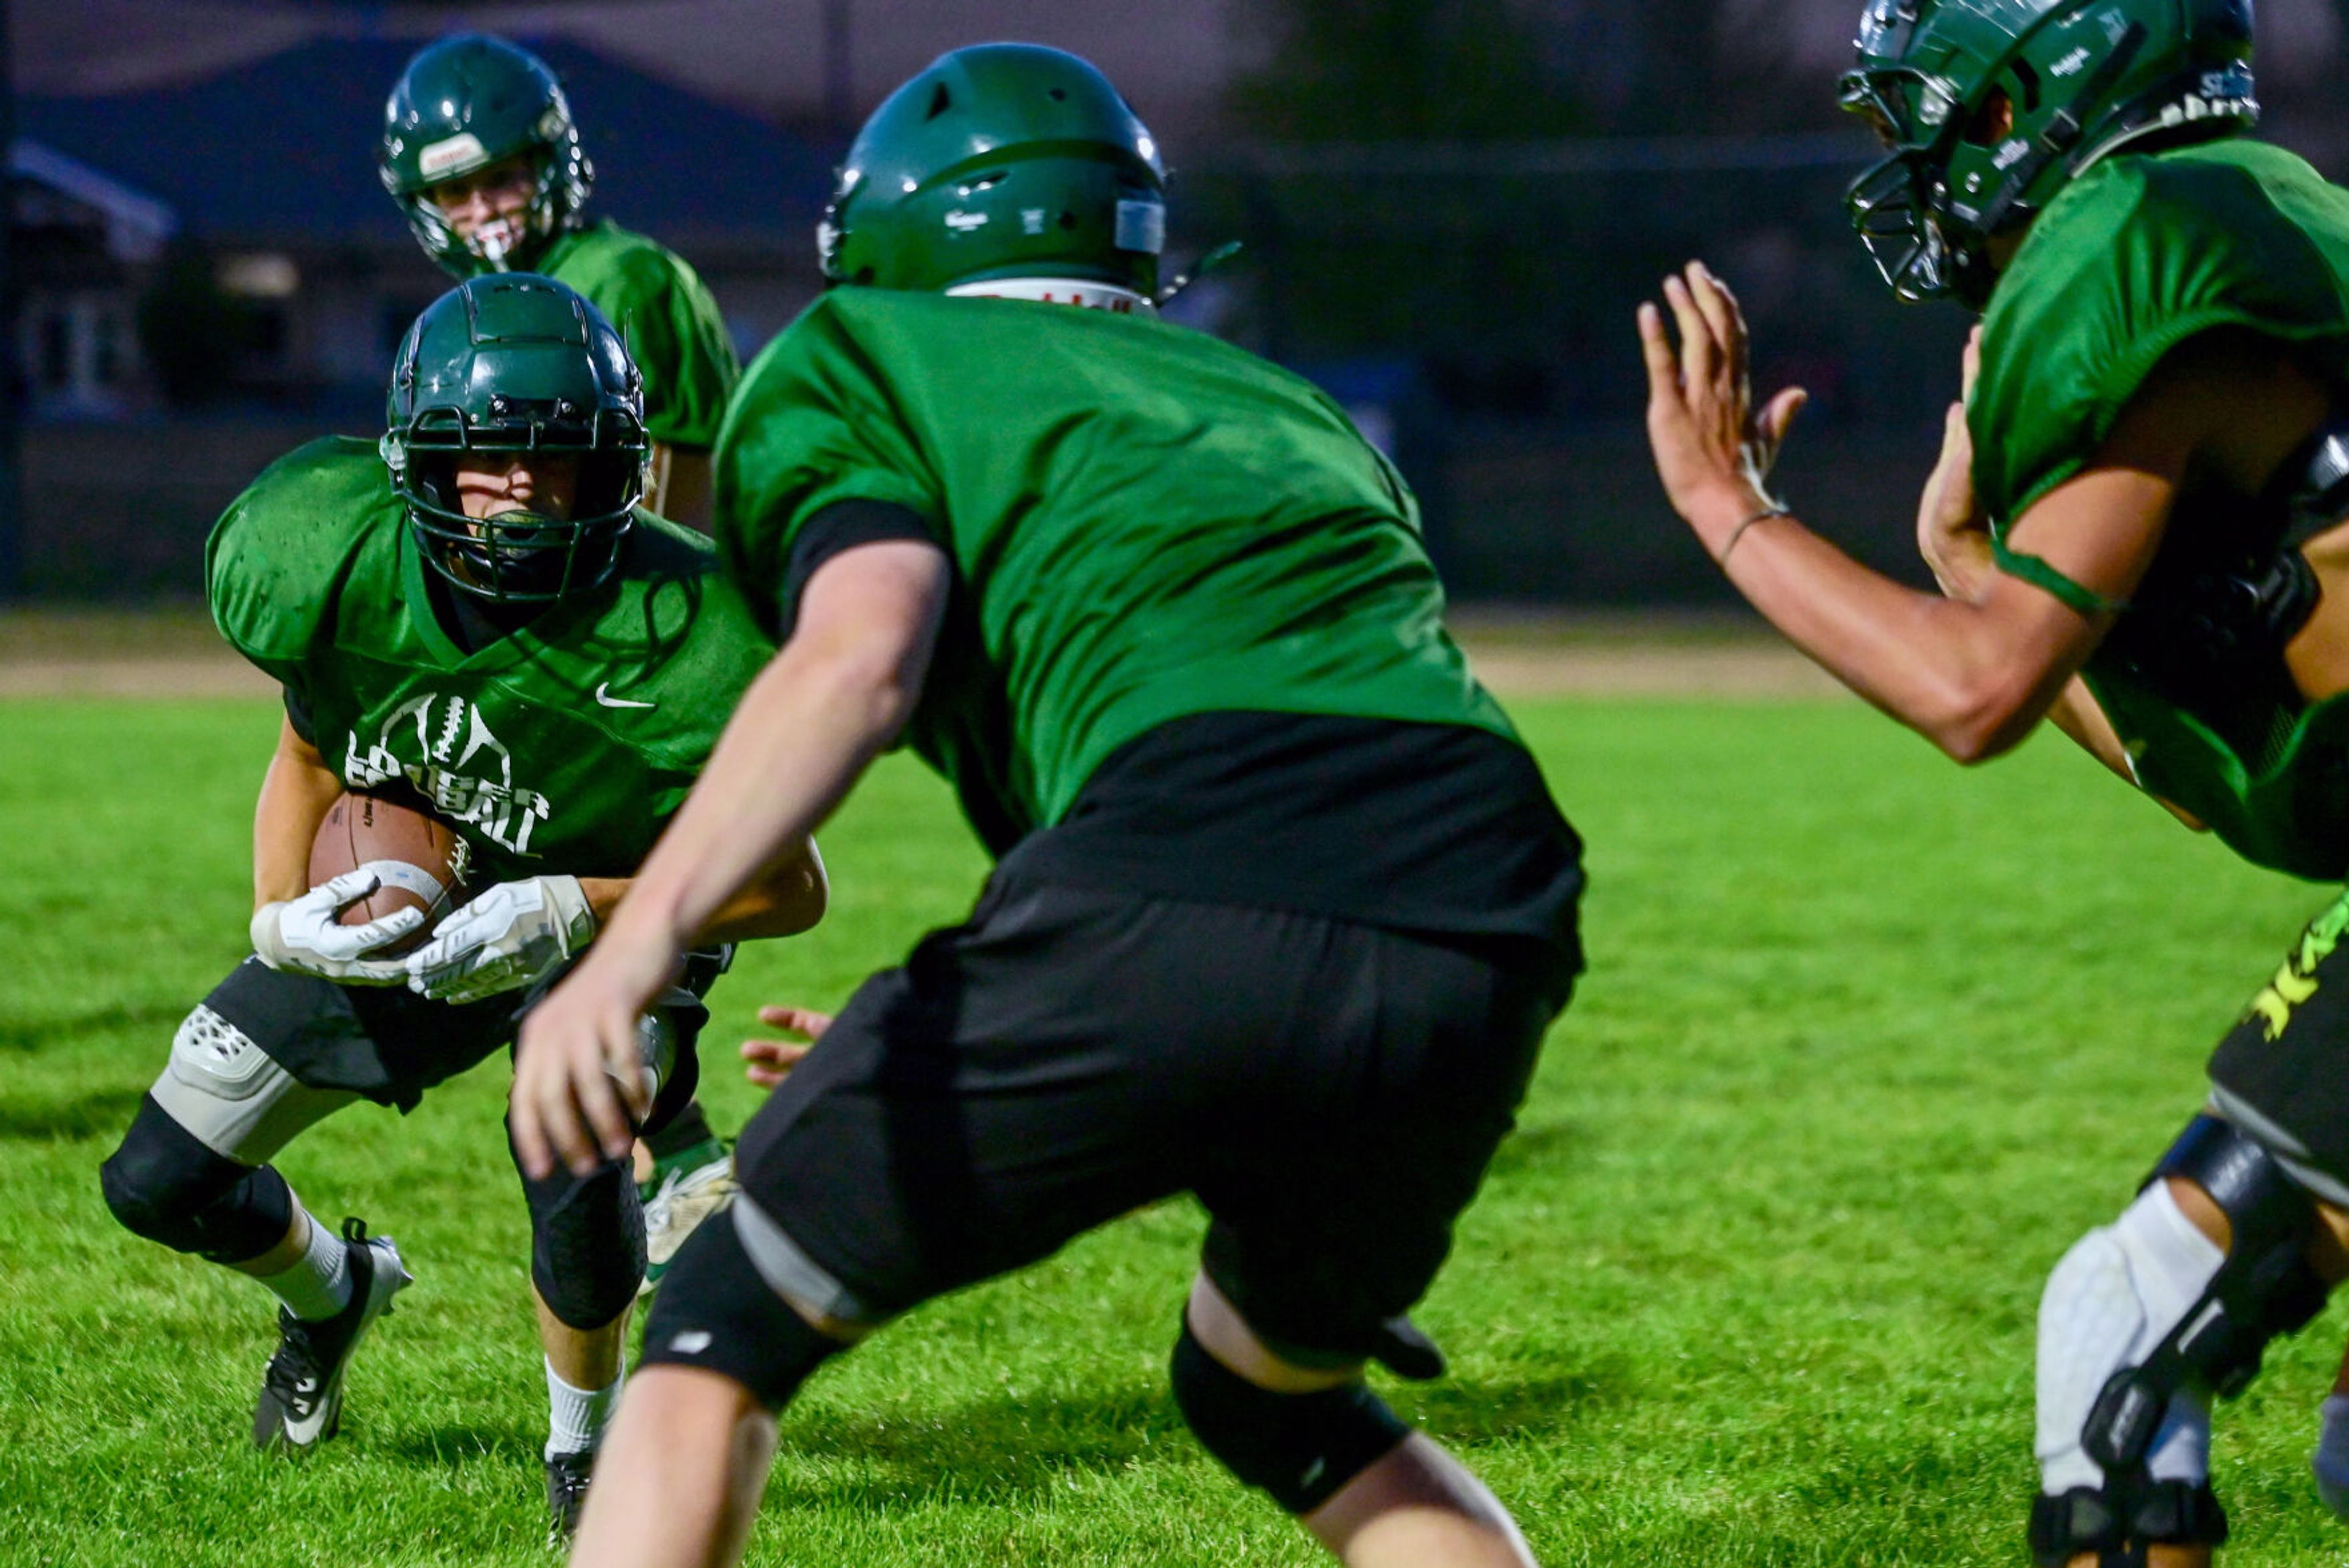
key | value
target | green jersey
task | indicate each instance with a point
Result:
(2139, 254)
(562, 747)
(1144, 523)
(665, 314)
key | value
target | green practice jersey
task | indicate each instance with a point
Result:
(1144, 523)
(563, 747)
(2139, 254)
(665, 314)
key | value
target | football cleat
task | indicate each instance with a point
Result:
(566, 1493)
(302, 1389)
(686, 1188)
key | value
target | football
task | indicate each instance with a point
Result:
(429, 861)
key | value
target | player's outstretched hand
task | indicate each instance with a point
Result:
(305, 936)
(1952, 535)
(1713, 450)
(503, 941)
(581, 1083)
(771, 1061)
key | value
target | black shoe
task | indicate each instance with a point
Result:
(567, 1494)
(302, 1390)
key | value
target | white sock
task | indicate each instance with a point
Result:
(318, 1286)
(2331, 1460)
(576, 1417)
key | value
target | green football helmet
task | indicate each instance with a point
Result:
(517, 363)
(461, 105)
(1001, 161)
(2084, 77)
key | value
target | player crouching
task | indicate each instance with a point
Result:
(474, 613)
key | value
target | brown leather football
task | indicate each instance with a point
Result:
(429, 858)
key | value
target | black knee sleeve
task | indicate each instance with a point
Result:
(586, 1243)
(164, 1184)
(715, 1312)
(1298, 1448)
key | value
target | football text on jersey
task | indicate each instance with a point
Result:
(455, 750)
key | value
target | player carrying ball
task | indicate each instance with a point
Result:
(1281, 908)
(481, 152)
(2138, 529)
(475, 615)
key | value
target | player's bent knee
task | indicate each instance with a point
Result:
(1300, 1449)
(164, 1184)
(586, 1244)
(2142, 1323)
(715, 1313)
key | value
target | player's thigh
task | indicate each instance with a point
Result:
(1337, 1213)
(967, 1113)
(2281, 1073)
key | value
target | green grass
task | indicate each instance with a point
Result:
(1866, 1043)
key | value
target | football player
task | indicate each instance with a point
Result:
(1281, 909)
(481, 152)
(475, 615)
(2137, 527)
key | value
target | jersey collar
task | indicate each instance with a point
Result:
(1083, 293)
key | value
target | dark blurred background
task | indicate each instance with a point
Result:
(1449, 209)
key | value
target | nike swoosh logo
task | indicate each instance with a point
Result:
(603, 694)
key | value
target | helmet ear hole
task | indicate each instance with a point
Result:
(941, 100)
(2027, 79)
(1992, 121)
(606, 482)
(436, 477)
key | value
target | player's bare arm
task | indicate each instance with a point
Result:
(296, 795)
(1972, 674)
(783, 899)
(834, 697)
(1954, 539)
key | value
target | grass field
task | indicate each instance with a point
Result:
(1866, 1043)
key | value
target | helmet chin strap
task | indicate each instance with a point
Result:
(1083, 293)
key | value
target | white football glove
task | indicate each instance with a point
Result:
(508, 938)
(303, 935)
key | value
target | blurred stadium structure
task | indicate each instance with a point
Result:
(1449, 209)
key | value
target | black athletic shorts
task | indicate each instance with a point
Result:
(2282, 1072)
(388, 1045)
(1331, 1090)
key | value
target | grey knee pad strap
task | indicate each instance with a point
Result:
(1301, 1449)
(237, 1100)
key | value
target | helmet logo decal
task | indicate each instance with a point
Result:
(963, 222)
(1141, 226)
(1031, 220)
(459, 151)
(2071, 65)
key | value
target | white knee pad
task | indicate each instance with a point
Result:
(2115, 1297)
